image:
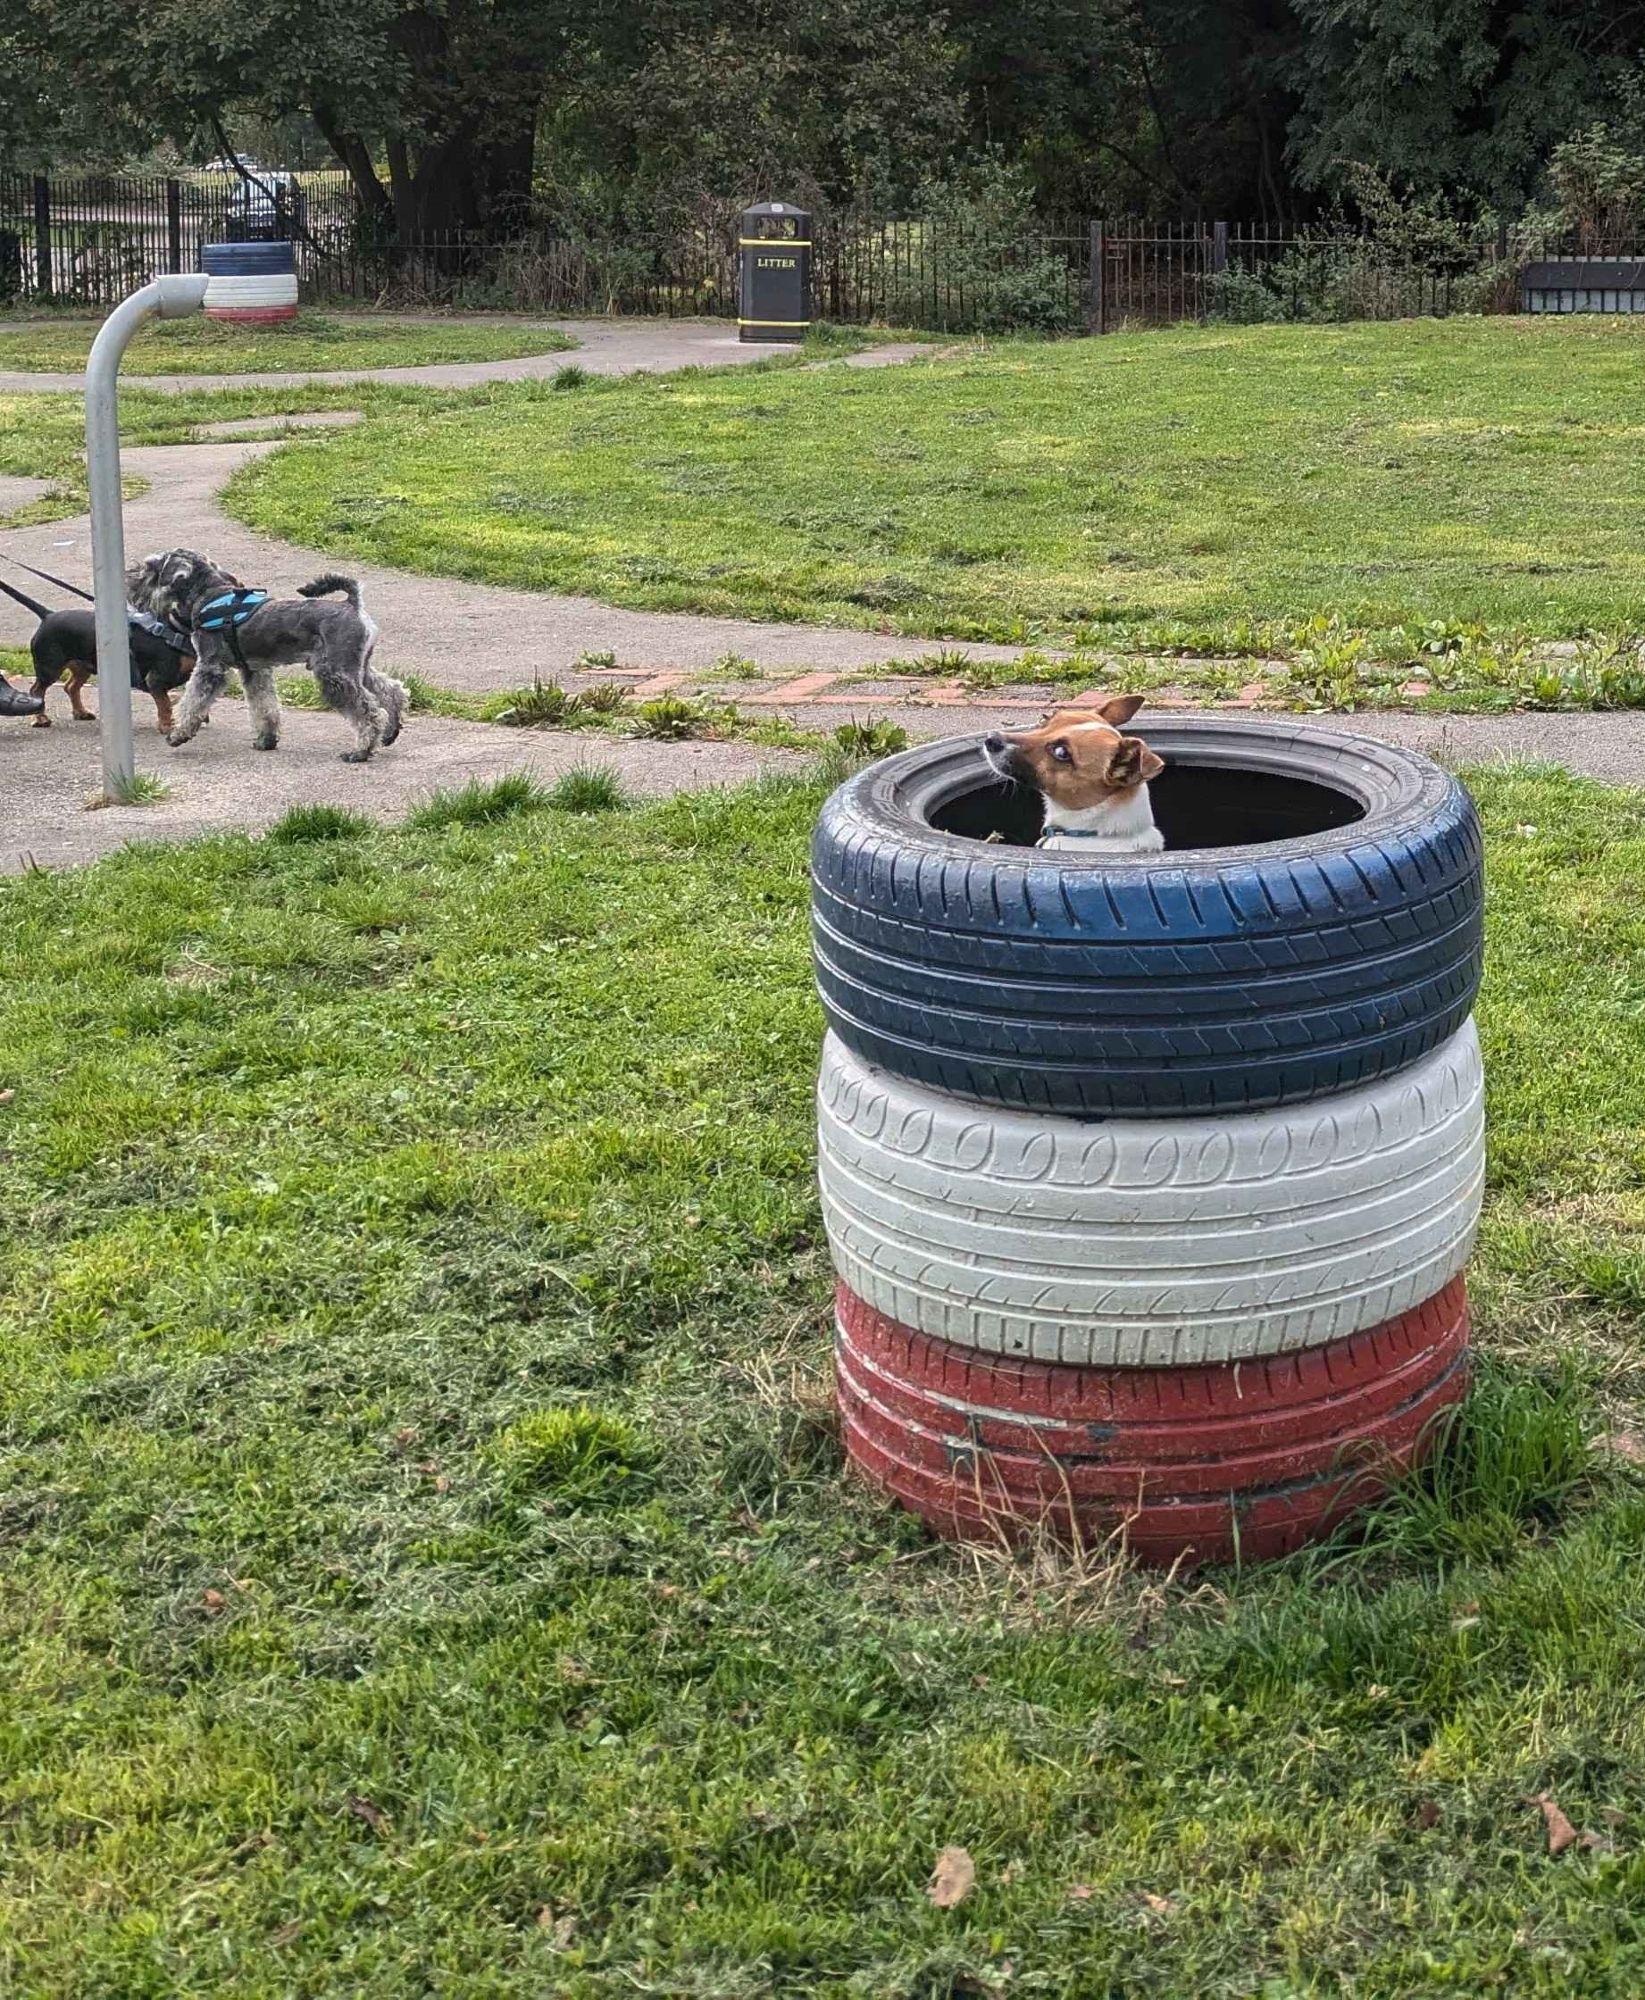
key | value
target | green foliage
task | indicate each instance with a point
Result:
(1599, 181)
(976, 276)
(319, 822)
(570, 1455)
(480, 802)
(670, 719)
(588, 788)
(866, 741)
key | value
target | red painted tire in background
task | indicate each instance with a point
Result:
(251, 315)
(1246, 1459)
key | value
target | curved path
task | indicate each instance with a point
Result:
(604, 347)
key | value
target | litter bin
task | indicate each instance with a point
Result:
(774, 292)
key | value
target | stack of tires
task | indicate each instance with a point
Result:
(1150, 1183)
(250, 282)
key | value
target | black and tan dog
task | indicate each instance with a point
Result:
(65, 644)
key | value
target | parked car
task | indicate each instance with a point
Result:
(269, 205)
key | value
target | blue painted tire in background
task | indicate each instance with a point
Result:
(247, 260)
(1223, 974)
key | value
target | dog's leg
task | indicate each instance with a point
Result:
(395, 698)
(164, 720)
(370, 719)
(78, 676)
(264, 704)
(45, 676)
(205, 684)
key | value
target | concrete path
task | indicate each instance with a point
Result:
(219, 783)
(604, 347)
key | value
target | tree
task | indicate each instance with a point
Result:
(432, 108)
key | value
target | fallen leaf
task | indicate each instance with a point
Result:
(1561, 1833)
(1596, 1843)
(213, 1600)
(953, 1878)
(442, 1484)
(1622, 1444)
(6, 1096)
(1427, 1814)
(1160, 1905)
(1082, 1892)
(286, 1934)
(1013, 1871)
(372, 1814)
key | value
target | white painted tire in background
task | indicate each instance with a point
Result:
(277, 288)
(1142, 1242)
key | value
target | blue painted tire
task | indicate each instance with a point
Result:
(1314, 923)
(247, 260)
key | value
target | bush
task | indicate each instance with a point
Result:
(1239, 297)
(983, 267)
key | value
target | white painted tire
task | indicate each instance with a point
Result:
(274, 289)
(1145, 1243)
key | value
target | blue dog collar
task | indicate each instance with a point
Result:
(234, 607)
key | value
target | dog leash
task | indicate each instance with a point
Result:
(46, 576)
(27, 602)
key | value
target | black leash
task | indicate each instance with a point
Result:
(28, 603)
(46, 576)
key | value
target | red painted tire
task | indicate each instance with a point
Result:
(251, 315)
(1244, 1459)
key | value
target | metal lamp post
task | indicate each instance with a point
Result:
(167, 298)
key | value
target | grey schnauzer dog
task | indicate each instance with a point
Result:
(334, 641)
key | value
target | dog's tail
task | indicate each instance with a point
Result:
(327, 586)
(27, 603)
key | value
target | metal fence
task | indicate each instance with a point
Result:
(90, 240)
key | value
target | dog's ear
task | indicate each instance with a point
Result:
(1119, 708)
(1131, 762)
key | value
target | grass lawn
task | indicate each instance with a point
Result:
(1207, 482)
(429, 1565)
(44, 436)
(312, 340)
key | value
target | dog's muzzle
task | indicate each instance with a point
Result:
(1001, 755)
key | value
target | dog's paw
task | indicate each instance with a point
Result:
(356, 756)
(85, 716)
(176, 738)
(265, 743)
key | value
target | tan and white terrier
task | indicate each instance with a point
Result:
(1093, 780)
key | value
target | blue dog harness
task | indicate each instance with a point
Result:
(226, 614)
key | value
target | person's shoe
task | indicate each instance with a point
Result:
(18, 701)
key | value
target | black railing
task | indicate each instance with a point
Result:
(90, 240)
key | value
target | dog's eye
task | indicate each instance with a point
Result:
(1062, 753)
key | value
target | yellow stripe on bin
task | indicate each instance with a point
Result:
(773, 322)
(774, 242)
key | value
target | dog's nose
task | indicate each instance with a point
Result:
(994, 743)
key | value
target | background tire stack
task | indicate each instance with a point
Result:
(1149, 1184)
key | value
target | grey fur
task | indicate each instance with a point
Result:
(334, 641)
